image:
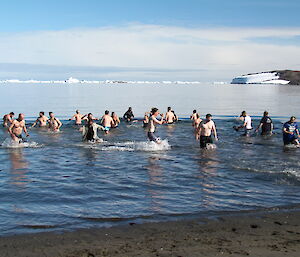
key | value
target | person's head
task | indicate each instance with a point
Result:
(154, 111)
(106, 112)
(42, 114)
(112, 114)
(266, 113)
(194, 111)
(21, 117)
(169, 109)
(11, 114)
(51, 114)
(77, 111)
(90, 116)
(129, 109)
(293, 119)
(208, 116)
(243, 114)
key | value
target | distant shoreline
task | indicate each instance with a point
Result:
(76, 81)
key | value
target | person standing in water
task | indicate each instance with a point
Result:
(128, 115)
(146, 120)
(89, 131)
(77, 117)
(41, 120)
(247, 124)
(115, 119)
(151, 125)
(54, 123)
(193, 116)
(205, 130)
(17, 127)
(8, 119)
(266, 125)
(290, 132)
(170, 117)
(107, 122)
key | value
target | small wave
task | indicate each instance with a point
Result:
(152, 146)
(9, 143)
(141, 146)
(117, 148)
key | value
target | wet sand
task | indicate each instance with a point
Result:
(275, 233)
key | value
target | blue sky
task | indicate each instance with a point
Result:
(64, 14)
(201, 33)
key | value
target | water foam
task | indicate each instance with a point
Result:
(137, 146)
(9, 143)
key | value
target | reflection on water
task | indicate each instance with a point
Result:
(155, 173)
(208, 163)
(19, 167)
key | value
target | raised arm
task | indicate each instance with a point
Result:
(73, 117)
(34, 124)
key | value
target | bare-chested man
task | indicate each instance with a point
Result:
(8, 119)
(77, 117)
(170, 116)
(17, 127)
(41, 120)
(206, 127)
(107, 122)
(54, 123)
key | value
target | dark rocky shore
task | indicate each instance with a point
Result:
(292, 76)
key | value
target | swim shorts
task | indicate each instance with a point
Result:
(204, 140)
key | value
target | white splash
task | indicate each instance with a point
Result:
(9, 143)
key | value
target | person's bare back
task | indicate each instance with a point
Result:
(77, 117)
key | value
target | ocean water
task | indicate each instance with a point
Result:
(56, 182)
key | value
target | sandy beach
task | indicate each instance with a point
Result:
(268, 233)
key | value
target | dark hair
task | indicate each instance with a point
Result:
(12, 113)
(293, 117)
(42, 113)
(208, 115)
(50, 113)
(154, 110)
(194, 111)
(106, 112)
(169, 108)
(266, 113)
(198, 116)
(112, 113)
(243, 113)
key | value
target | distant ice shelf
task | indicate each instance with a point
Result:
(260, 78)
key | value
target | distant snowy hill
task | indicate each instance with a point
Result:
(271, 77)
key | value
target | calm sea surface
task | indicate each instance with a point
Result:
(59, 182)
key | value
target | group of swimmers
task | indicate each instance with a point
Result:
(204, 129)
